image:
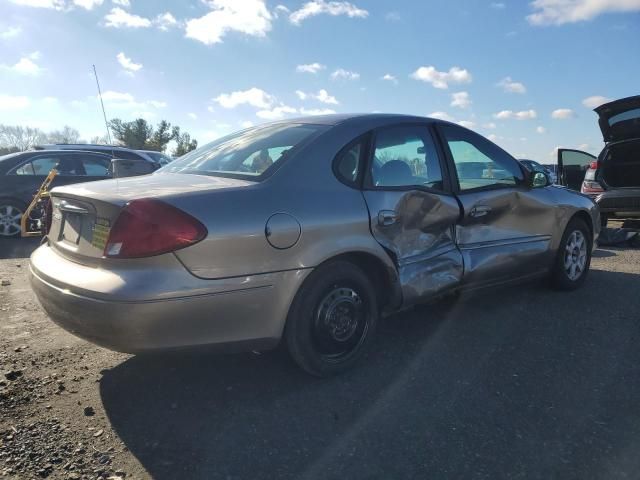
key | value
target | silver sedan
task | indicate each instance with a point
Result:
(304, 232)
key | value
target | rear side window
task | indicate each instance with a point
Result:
(38, 166)
(405, 156)
(124, 154)
(95, 166)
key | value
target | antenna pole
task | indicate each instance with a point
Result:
(104, 114)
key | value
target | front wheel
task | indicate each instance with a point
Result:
(332, 319)
(574, 256)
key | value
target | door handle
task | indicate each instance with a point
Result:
(387, 217)
(479, 211)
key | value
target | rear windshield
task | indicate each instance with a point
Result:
(621, 117)
(248, 154)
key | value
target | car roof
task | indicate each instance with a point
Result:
(80, 146)
(339, 118)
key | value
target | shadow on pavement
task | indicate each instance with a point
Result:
(18, 247)
(519, 382)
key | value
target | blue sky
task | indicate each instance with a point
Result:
(526, 74)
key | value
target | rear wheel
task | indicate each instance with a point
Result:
(332, 319)
(10, 215)
(574, 256)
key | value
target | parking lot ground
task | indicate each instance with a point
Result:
(521, 382)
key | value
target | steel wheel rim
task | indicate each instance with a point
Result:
(575, 255)
(340, 324)
(10, 217)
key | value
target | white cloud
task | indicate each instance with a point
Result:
(165, 21)
(87, 4)
(128, 64)
(324, 97)
(126, 101)
(8, 102)
(508, 85)
(53, 4)
(10, 32)
(310, 68)
(250, 17)
(494, 138)
(595, 101)
(192, 116)
(563, 114)
(317, 111)
(441, 116)
(119, 18)
(254, 96)
(441, 79)
(559, 12)
(387, 77)
(246, 124)
(25, 66)
(466, 123)
(122, 3)
(301, 95)
(460, 100)
(498, 5)
(392, 17)
(540, 129)
(276, 113)
(322, 7)
(490, 125)
(341, 73)
(509, 114)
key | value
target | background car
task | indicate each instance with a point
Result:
(320, 224)
(112, 150)
(154, 156)
(21, 174)
(612, 178)
(534, 166)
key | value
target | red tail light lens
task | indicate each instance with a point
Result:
(593, 165)
(150, 227)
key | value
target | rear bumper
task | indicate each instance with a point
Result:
(619, 202)
(246, 313)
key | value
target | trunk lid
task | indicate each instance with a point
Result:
(620, 119)
(83, 214)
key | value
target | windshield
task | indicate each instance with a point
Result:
(246, 154)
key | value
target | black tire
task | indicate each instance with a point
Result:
(332, 319)
(8, 205)
(568, 257)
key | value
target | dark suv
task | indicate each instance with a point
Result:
(613, 178)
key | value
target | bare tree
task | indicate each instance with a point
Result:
(20, 138)
(99, 140)
(66, 135)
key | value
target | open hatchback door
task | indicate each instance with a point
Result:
(620, 119)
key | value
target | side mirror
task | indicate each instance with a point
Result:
(121, 168)
(539, 179)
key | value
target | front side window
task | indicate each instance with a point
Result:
(405, 156)
(246, 154)
(480, 163)
(95, 166)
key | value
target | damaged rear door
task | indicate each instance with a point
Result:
(412, 211)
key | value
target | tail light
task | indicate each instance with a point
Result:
(148, 227)
(594, 165)
(591, 187)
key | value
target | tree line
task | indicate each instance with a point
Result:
(137, 134)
